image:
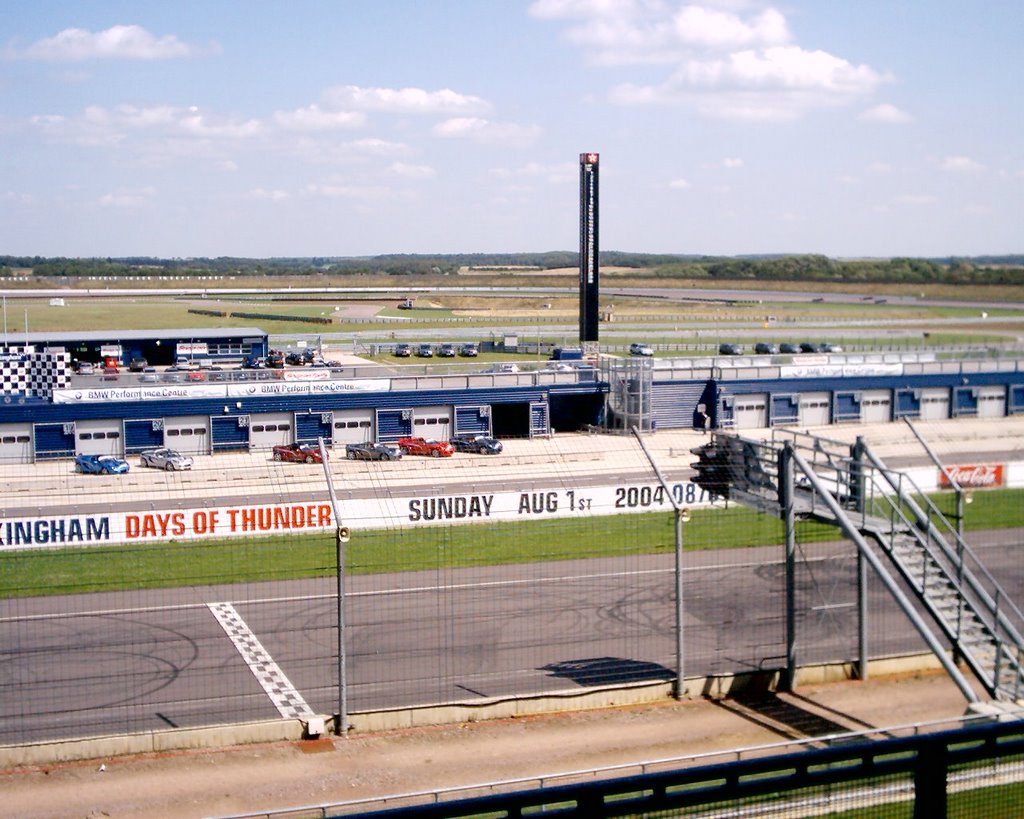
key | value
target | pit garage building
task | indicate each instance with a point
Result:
(46, 411)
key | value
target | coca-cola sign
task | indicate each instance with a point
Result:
(972, 476)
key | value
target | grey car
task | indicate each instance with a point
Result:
(372, 451)
(164, 458)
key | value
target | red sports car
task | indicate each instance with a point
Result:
(425, 446)
(299, 453)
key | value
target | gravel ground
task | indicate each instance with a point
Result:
(286, 775)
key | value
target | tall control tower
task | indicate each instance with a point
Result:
(589, 268)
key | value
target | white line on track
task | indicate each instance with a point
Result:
(282, 693)
(490, 584)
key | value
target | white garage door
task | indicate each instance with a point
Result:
(15, 443)
(815, 409)
(352, 427)
(875, 406)
(750, 411)
(98, 437)
(432, 422)
(934, 404)
(991, 402)
(189, 434)
(269, 429)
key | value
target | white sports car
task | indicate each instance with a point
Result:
(164, 458)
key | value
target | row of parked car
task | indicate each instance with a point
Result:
(469, 350)
(765, 348)
(171, 460)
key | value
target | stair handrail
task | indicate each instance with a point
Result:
(886, 578)
(998, 605)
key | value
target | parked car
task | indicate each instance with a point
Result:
(372, 451)
(506, 367)
(730, 349)
(275, 359)
(426, 446)
(149, 376)
(164, 458)
(469, 350)
(137, 365)
(403, 350)
(298, 453)
(446, 351)
(101, 465)
(829, 348)
(85, 368)
(809, 347)
(636, 348)
(481, 444)
(252, 362)
(788, 348)
(425, 351)
(111, 373)
(764, 348)
(294, 359)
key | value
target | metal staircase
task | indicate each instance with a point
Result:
(849, 487)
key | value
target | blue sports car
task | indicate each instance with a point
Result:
(100, 465)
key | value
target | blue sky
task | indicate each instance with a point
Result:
(848, 127)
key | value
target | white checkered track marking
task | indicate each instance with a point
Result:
(282, 693)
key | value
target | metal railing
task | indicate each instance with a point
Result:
(925, 754)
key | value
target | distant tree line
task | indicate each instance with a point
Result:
(797, 267)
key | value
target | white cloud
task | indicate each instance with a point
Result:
(117, 42)
(679, 184)
(916, 199)
(775, 84)
(557, 173)
(491, 133)
(735, 64)
(732, 163)
(314, 118)
(127, 198)
(340, 190)
(886, 113)
(641, 32)
(960, 163)
(271, 195)
(99, 126)
(403, 100)
(407, 171)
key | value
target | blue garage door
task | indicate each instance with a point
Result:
(475, 420)
(965, 401)
(311, 426)
(394, 424)
(1016, 402)
(143, 434)
(908, 403)
(847, 407)
(785, 409)
(54, 440)
(231, 432)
